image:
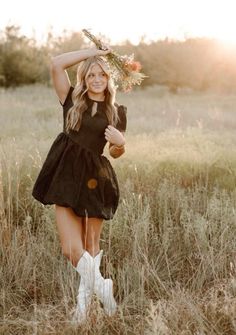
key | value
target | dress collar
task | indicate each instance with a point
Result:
(91, 101)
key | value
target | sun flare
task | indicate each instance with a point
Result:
(153, 19)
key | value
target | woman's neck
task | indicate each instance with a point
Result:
(96, 96)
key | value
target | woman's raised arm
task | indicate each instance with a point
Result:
(60, 63)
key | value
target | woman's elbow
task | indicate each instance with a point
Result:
(55, 64)
(116, 152)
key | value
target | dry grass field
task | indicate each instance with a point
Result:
(171, 247)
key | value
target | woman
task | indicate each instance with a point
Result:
(76, 176)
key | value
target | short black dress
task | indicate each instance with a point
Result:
(75, 172)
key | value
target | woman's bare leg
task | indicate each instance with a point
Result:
(92, 228)
(70, 231)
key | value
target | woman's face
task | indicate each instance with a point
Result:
(96, 80)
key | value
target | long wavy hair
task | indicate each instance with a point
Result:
(74, 115)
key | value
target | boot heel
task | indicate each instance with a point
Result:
(109, 305)
(103, 288)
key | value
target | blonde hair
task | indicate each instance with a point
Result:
(74, 115)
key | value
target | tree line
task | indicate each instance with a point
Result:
(200, 64)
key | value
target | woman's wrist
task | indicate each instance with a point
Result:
(93, 52)
(121, 144)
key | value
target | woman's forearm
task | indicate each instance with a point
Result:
(68, 59)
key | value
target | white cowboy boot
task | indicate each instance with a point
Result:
(103, 288)
(85, 268)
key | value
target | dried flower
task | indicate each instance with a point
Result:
(124, 70)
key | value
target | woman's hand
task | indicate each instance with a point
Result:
(104, 50)
(114, 136)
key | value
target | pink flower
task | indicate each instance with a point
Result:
(136, 66)
(133, 66)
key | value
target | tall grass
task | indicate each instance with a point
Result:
(171, 245)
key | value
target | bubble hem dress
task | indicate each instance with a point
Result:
(75, 172)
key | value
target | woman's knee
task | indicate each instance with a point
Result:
(70, 232)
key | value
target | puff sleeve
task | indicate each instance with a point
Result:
(122, 122)
(68, 101)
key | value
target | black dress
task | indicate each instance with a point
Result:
(75, 172)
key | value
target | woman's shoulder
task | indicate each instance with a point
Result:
(122, 118)
(68, 97)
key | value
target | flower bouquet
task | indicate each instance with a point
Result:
(124, 70)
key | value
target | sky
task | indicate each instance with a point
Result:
(124, 19)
